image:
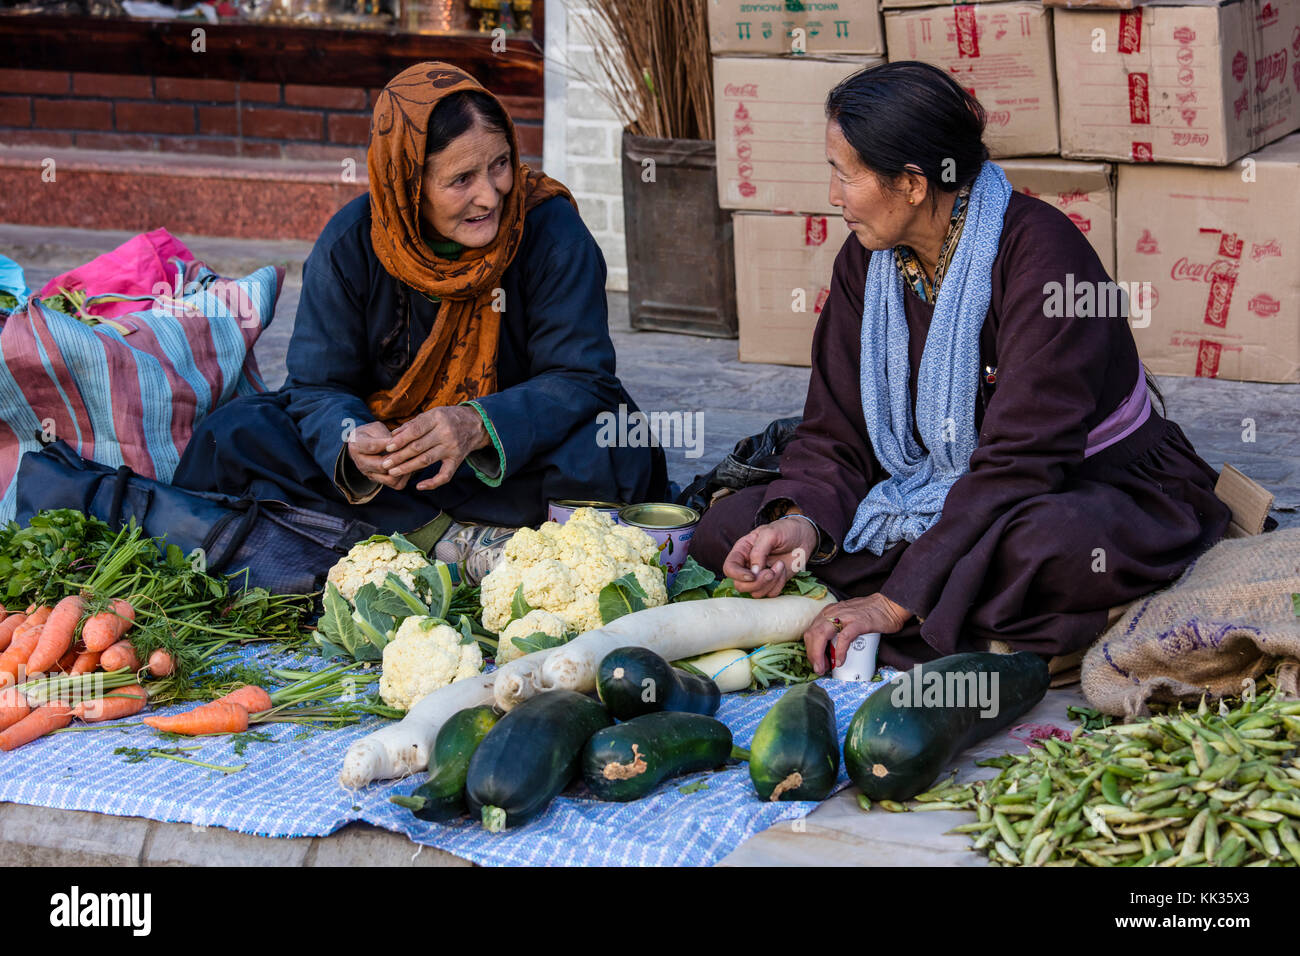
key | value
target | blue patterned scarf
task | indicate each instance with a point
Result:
(906, 504)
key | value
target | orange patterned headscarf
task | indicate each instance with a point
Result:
(458, 361)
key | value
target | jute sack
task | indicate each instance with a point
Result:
(1226, 622)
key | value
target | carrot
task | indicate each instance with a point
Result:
(122, 654)
(122, 702)
(57, 637)
(105, 629)
(161, 663)
(85, 663)
(65, 663)
(218, 717)
(3, 612)
(250, 697)
(13, 707)
(38, 723)
(14, 660)
(11, 624)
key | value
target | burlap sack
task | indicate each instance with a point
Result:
(1228, 620)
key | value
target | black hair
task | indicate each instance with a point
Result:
(457, 113)
(913, 113)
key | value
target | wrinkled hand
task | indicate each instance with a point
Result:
(366, 449)
(441, 435)
(763, 561)
(857, 616)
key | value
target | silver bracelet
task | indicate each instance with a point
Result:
(817, 550)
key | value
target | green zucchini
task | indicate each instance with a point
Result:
(530, 756)
(628, 760)
(795, 754)
(906, 733)
(635, 680)
(442, 796)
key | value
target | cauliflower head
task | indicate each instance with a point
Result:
(530, 623)
(370, 563)
(564, 567)
(423, 657)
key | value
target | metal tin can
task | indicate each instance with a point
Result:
(672, 526)
(561, 509)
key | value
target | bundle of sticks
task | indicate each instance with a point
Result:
(652, 57)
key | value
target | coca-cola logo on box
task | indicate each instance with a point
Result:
(1239, 66)
(1295, 41)
(999, 117)
(740, 89)
(1185, 34)
(1084, 224)
(1070, 198)
(1142, 153)
(814, 230)
(1231, 245)
(1220, 300)
(1147, 245)
(1268, 15)
(822, 296)
(1264, 305)
(1207, 359)
(1185, 270)
(1191, 139)
(1130, 32)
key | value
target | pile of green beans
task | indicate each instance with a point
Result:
(1214, 787)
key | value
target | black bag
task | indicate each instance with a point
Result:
(286, 550)
(755, 460)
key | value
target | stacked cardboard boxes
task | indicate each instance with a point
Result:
(772, 69)
(1158, 114)
(1188, 96)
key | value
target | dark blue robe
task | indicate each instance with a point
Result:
(555, 374)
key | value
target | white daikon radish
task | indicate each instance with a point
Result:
(403, 747)
(675, 631)
(728, 669)
(521, 678)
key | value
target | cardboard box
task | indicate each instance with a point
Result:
(1182, 84)
(1001, 52)
(907, 4)
(783, 278)
(769, 27)
(771, 130)
(1125, 4)
(1221, 251)
(1083, 191)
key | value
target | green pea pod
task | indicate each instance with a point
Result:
(1110, 789)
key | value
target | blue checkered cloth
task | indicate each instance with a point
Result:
(289, 788)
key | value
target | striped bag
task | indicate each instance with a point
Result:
(129, 390)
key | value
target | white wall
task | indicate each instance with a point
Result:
(582, 146)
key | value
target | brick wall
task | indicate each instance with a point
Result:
(213, 117)
(592, 151)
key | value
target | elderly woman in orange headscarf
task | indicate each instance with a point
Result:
(451, 350)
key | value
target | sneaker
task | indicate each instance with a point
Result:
(472, 550)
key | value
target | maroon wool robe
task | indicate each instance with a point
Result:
(1035, 542)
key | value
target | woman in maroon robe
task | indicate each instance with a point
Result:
(1079, 497)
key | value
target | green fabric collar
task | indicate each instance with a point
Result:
(446, 248)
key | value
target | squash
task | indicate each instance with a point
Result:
(627, 761)
(442, 796)
(530, 756)
(632, 681)
(795, 754)
(906, 733)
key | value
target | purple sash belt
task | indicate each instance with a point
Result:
(1124, 421)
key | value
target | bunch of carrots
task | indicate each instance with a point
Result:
(43, 642)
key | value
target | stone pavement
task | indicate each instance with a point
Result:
(1255, 427)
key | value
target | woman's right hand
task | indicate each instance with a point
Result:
(367, 449)
(763, 561)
